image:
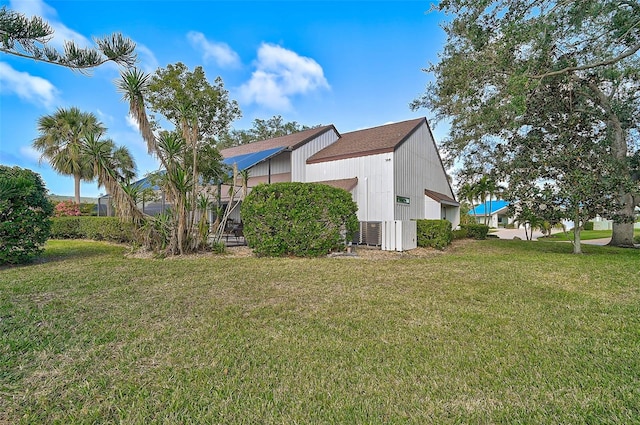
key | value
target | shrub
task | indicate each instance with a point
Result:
(107, 229)
(636, 239)
(24, 215)
(96, 228)
(65, 228)
(88, 209)
(588, 225)
(460, 234)
(476, 231)
(300, 219)
(66, 208)
(434, 233)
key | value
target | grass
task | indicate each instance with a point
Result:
(489, 332)
(585, 235)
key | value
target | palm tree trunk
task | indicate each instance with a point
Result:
(76, 181)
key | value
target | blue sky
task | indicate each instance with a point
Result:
(353, 64)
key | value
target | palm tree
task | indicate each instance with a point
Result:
(60, 142)
(134, 85)
(114, 167)
(482, 188)
(494, 190)
(468, 192)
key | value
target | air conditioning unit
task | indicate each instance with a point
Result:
(370, 233)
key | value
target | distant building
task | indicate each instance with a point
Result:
(496, 211)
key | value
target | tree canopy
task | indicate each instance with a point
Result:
(30, 37)
(199, 113)
(261, 130)
(499, 54)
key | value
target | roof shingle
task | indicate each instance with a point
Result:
(290, 141)
(370, 141)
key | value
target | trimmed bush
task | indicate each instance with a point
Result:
(24, 215)
(434, 233)
(299, 219)
(476, 231)
(65, 228)
(460, 234)
(96, 228)
(88, 209)
(588, 225)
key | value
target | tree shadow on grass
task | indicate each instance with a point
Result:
(65, 249)
(558, 247)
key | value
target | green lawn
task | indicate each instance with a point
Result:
(490, 331)
(586, 235)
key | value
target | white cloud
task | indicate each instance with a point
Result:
(279, 75)
(26, 86)
(146, 58)
(131, 122)
(61, 32)
(221, 53)
(30, 153)
(104, 116)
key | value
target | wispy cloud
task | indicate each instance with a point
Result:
(223, 55)
(30, 153)
(26, 86)
(146, 58)
(279, 75)
(132, 123)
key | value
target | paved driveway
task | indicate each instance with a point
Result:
(512, 233)
(519, 233)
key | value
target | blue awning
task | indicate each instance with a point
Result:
(248, 160)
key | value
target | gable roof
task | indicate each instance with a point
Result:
(290, 141)
(370, 141)
(441, 198)
(483, 208)
(346, 184)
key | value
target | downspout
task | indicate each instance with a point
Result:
(366, 199)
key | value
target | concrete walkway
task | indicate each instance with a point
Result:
(517, 233)
(512, 233)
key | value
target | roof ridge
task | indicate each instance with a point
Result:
(368, 141)
(386, 125)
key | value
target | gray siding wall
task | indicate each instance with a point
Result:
(374, 192)
(417, 167)
(280, 164)
(299, 156)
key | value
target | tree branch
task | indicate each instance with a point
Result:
(611, 61)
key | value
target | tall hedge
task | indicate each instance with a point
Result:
(24, 215)
(299, 219)
(476, 231)
(434, 233)
(88, 227)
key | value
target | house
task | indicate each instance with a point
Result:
(494, 213)
(398, 171)
(151, 200)
(394, 173)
